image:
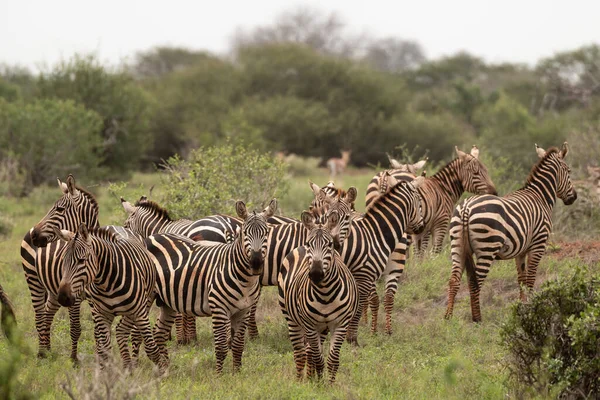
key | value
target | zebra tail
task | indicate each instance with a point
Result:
(7, 317)
(466, 250)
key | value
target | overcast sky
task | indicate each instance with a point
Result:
(44, 31)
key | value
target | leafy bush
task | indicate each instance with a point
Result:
(213, 178)
(553, 339)
(45, 139)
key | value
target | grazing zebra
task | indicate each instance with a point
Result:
(219, 280)
(514, 226)
(317, 294)
(441, 191)
(148, 218)
(7, 317)
(338, 165)
(74, 207)
(118, 278)
(284, 238)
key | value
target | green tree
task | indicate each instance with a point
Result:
(123, 105)
(162, 60)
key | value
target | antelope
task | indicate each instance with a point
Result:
(338, 165)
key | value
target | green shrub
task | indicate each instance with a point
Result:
(553, 339)
(213, 178)
(45, 139)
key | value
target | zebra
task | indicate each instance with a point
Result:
(148, 218)
(7, 317)
(220, 280)
(514, 226)
(285, 237)
(441, 191)
(118, 278)
(317, 293)
(74, 207)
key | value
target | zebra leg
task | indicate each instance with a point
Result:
(364, 289)
(314, 341)
(533, 260)
(476, 279)
(458, 260)
(136, 344)
(50, 309)
(438, 234)
(39, 296)
(252, 327)
(392, 273)
(180, 330)
(163, 326)
(238, 338)
(521, 275)
(123, 330)
(297, 335)
(102, 325)
(365, 312)
(75, 322)
(333, 360)
(374, 304)
(221, 333)
(143, 325)
(189, 328)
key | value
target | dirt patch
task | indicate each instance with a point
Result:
(587, 251)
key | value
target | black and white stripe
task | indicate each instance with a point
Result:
(514, 226)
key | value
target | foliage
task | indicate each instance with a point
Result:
(162, 60)
(9, 91)
(213, 178)
(45, 139)
(125, 107)
(553, 339)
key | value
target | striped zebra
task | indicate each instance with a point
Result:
(220, 280)
(74, 207)
(514, 226)
(7, 317)
(148, 218)
(285, 237)
(317, 294)
(441, 191)
(118, 278)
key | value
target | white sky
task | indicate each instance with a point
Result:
(44, 31)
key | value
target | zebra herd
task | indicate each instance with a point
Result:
(325, 265)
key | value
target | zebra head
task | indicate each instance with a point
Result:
(564, 186)
(319, 245)
(410, 168)
(253, 234)
(415, 224)
(74, 207)
(344, 210)
(144, 216)
(79, 265)
(473, 174)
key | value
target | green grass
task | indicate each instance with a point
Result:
(425, 357)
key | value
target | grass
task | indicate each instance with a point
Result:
(425, 357)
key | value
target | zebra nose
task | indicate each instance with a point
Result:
(256, 262)
(316, 273)
(65, 295)
(38, 239)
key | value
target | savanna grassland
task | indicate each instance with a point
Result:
(425, 357)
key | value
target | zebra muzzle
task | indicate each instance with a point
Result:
(256, 262)
(316, 273)
(38, 238)
(65, 295)
(571, 199)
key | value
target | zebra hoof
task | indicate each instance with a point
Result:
(43, 353)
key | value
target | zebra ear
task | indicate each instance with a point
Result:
(418, 181)
(540, 152)
(323, 196)
(62, 186)
(461, 154)
(271, 208)
(475, 151)
(83, 232)
(315, 188)
(73, 191)
(63, 234)
(418, 165)
(127, 206)
(333, 219)
(308, 220)
(393, 162)
(240, 209)
(565, 150)
(351, 195)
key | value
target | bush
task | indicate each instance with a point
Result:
(553, 339)
(213, 178)
(45, 139)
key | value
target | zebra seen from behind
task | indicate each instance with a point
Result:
(514, 226)
(75, 206)
(118, 278)
(148, 218)
(317, 294)
(220, 280)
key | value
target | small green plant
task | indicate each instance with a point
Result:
(213, 178)
(552, 341)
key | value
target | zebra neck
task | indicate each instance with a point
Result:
(105, 253)
(448, 180)
(543, 186)
(240, 264)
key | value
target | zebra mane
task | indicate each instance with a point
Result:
(103, 233)
(537, 166)
(154, 208)
(383, 195)
(89, 196)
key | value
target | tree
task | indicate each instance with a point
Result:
(161, 60)
(394, 55)
(124, 106)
